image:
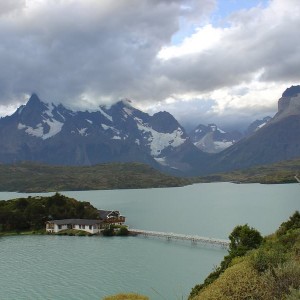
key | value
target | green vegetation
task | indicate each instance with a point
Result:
(74, 232)
(32, 177)
(257, 269)
(116, 230)
(126, 297)
(30, 214)
(242, 239)
(282, 172)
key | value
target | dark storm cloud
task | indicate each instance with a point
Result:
(11, 6)
(79, 49)
(87, 52)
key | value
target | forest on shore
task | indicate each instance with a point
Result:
(31, 213)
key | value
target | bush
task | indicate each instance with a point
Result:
(123, 231)
(265, 259)
(289, 239)
(279, 281)
(239, 282)
(108, 231)
(292, 223)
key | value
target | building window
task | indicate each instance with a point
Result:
(59, 226)
(90, 227)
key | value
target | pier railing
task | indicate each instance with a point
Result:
(177, 236)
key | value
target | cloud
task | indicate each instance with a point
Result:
(11, 6)
(257, 39)
(88, 52)
(257, 50)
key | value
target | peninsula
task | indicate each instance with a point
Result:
(56, 214)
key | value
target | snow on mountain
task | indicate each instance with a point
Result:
(105, 114)
(83, 132)
(54, 134)
(212, 139)
(158, 141)
(42, 123)
(256, 125)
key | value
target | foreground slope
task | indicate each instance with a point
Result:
(270, 271)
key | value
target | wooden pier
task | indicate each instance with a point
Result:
(177, 236)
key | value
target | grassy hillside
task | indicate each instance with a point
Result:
(267, 272)
(32, 177)
(282, 172)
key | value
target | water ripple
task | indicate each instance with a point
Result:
(79, 268)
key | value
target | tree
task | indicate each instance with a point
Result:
(292, 223)
(242, 239)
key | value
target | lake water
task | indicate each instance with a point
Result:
(58, 267)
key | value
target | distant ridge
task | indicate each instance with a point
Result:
(33, 177)
(276, 141)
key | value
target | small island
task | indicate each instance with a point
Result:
(58, 214)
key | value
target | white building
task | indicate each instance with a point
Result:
(90, 226)
(106, 218)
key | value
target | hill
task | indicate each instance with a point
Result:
(32, 177)
(267, 271)
(281, 172)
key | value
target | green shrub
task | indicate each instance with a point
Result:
(123, 231)
(238, 282)
(81, 233)
(264, 259)
(292, 223)
(279, 281)
(289, 239)
(108, 231)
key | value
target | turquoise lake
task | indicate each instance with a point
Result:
(59, 267)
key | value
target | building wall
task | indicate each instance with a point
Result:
(58, 228)
(96, 228)
(93, 229)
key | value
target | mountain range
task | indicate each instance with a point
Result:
(53, 134)
(277, 140)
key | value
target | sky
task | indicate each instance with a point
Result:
(205, 61)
